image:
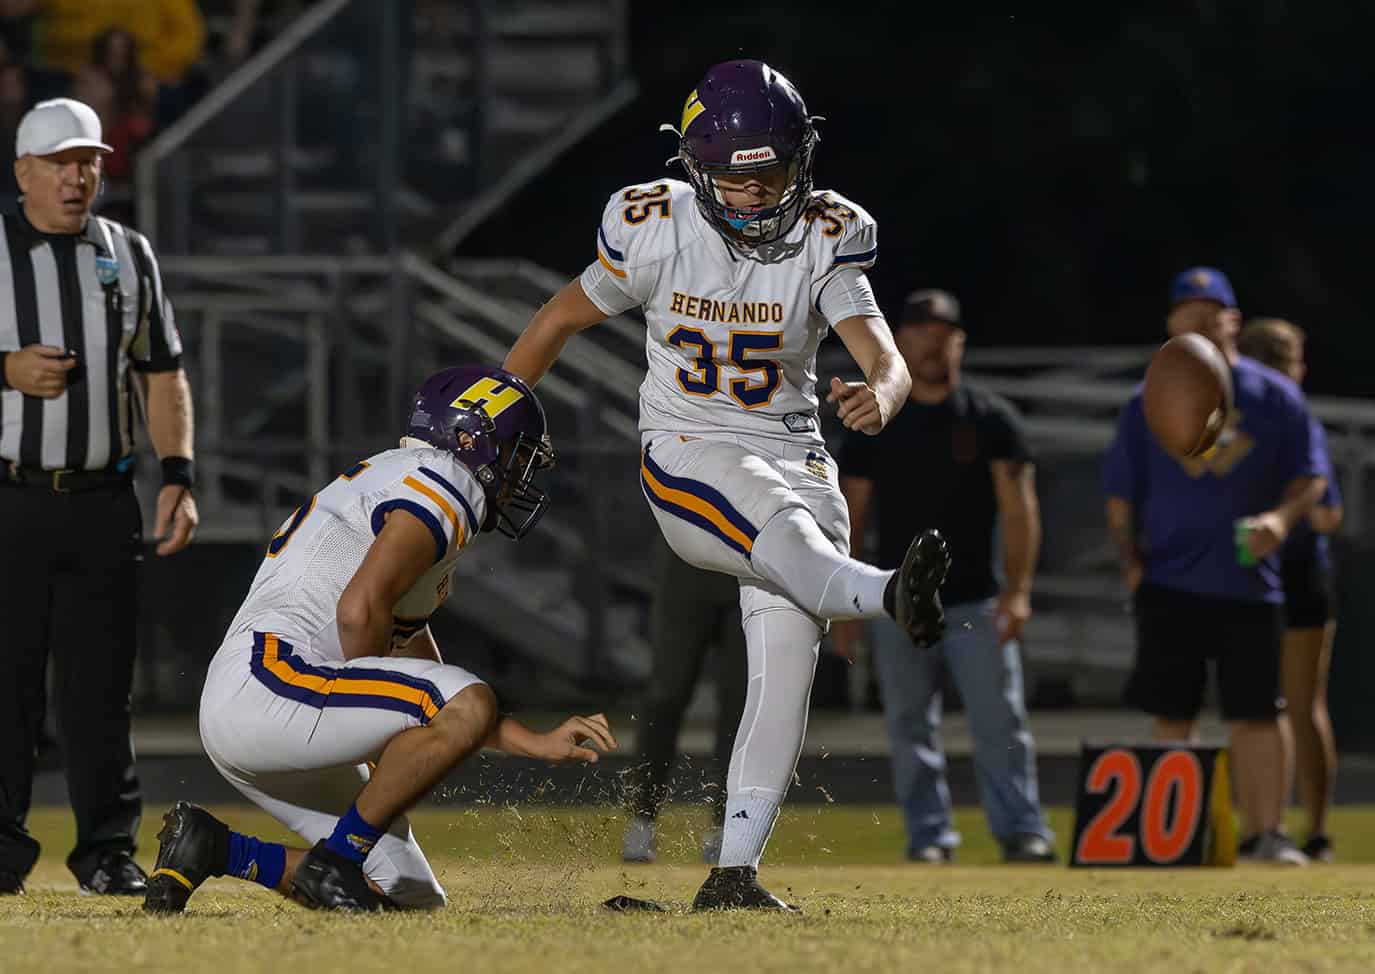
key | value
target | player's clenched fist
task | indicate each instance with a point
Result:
(859, 408)
(567, 741)
(38, 370)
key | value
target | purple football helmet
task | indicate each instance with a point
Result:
(743, 117)
(493, 423)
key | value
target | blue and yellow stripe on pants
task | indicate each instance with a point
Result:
(698, 504)
(287, 675)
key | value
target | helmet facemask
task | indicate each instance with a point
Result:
(749, 227)
(514, 503)
(518, 503)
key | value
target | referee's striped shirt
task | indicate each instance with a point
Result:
(99, 294)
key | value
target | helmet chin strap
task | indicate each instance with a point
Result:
(484, 474)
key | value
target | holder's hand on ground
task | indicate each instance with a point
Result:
(859, 408)
(566, 742)
(39, 370)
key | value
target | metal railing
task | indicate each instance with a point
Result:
(334, 346)
(1069, 402)
(1071, 394)
(301, 365)
(357, 131)
(388, 318)
(155, 161)
(530, 166)
(1070, 399)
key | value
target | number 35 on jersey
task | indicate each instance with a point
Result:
(1153, 805)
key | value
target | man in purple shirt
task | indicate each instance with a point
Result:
(1199, 541)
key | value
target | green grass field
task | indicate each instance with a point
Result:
(525, 885)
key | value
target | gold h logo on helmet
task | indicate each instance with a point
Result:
(691, 110)
(494, 396)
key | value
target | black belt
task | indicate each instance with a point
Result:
(66, 481)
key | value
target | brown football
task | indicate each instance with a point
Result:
(1188, 395)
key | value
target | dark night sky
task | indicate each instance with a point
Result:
(1053, 173)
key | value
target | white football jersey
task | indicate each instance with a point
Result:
(317, 550)
(731, 339)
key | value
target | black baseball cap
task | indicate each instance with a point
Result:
(931, 304)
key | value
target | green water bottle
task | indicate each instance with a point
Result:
(1242, 531)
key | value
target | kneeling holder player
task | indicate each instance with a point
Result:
(328, 705)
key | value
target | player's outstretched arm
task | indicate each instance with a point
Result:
(403, 551)
(567, 742)
(562, 316)
(868, 406)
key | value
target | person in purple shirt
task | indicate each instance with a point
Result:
(1310, 621)
(1199, 541)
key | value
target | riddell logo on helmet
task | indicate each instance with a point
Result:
(762, 154)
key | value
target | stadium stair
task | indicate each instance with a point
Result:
(487, 85)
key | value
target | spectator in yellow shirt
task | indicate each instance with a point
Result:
(170, 33)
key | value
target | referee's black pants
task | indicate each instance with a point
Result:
(693, 612)
(68, 569)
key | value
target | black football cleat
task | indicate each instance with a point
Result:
(116, 874)
(917, 603)
(737, 888)
(11, 884)
(326, 880)
(193, 845)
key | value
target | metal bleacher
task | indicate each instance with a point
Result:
(364, 126)
(293, 209)
(1070, 398)
(296, 211)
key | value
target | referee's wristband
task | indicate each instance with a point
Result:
(178, 470)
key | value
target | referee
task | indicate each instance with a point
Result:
(81, 303)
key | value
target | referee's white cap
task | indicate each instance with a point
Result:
(57, 125)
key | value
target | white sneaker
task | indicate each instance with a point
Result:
(638, 844)
(711, 845)
(1273, 847)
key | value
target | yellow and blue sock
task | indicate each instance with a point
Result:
(255, 860)
(354, 837)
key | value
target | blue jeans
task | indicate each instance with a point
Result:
(989, 678)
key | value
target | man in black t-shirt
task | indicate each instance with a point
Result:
(955, 459)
